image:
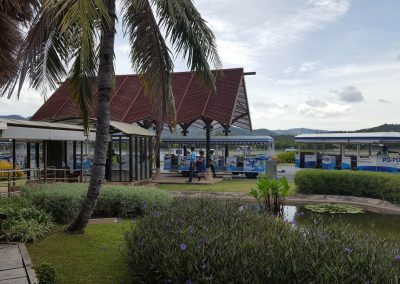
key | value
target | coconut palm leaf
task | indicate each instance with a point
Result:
(190, 35)
(14, 15)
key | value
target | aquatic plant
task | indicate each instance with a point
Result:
(334, 208)
(271, 193)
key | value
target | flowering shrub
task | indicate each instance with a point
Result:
(201, 241)
(356, 183)
(286, 157)
(6, 166)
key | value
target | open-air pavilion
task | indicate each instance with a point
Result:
(196, 104)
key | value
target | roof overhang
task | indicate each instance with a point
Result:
(130, 129)
(350, 138)
(25, 130)
(221, 140)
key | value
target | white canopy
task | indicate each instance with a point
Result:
(350, 138)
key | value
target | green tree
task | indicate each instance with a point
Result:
(76, 39)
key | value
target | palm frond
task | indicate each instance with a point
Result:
(151, 58)
(190, 35)
(14, 14)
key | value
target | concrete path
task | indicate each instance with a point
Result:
(369, 204)
(15, 265)
(172, 178)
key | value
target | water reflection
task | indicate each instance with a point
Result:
(387, 226)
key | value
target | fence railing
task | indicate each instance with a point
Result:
(11, 180)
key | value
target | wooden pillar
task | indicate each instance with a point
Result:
(226, 132)
(146, 158)
(208, 141)
(130, 159)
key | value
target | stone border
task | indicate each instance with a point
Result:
(30, 272)
(369, 204)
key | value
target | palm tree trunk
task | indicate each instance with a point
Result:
(105, 83)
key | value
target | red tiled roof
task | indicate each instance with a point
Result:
(193, 101)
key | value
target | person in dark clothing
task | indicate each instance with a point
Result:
(212, 163)
(193, 157)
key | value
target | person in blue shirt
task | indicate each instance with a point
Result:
(193, 157)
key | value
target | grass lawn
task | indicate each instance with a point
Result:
(94, 257)
(235, 185)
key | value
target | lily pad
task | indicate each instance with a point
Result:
(334, 208)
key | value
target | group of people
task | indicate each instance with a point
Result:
(199, 163)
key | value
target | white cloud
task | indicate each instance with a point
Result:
(320, 109)
(307, 66)
(288, 70)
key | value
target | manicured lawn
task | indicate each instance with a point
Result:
(235, 185)
(94, 257)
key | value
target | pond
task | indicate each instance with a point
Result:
(386, 226)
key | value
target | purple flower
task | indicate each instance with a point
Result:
(348, 250)
(157, 213)
(188, 282)
(300, 213)
(293, 222)
(397, 257)
(183, 246)
(190, 231)
(145, 206)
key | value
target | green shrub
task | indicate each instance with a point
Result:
(200, 241)
(24, 222)
(46, 273)
(64, 200)
(365, 184)
(286, 157)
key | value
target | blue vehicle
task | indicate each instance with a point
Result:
(248, 159)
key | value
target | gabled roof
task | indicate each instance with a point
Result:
(194, 102)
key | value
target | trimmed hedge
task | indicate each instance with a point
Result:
(286, 157)
(64, 200)
(356, 183)
(211, 241)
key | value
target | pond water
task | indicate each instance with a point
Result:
(386, 226)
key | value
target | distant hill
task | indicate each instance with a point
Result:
(13, 116)
(382, 128)
(297, 131)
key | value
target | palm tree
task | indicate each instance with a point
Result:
(82, 32)
(14, 15)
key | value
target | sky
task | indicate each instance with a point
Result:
(322, 64)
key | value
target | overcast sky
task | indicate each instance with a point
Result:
(325, 64)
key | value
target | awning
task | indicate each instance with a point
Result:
(350, 138)
(26, 130)
(131, 129)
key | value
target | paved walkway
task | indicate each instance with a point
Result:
(15, 265)
(369, 204)
(172, 178)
